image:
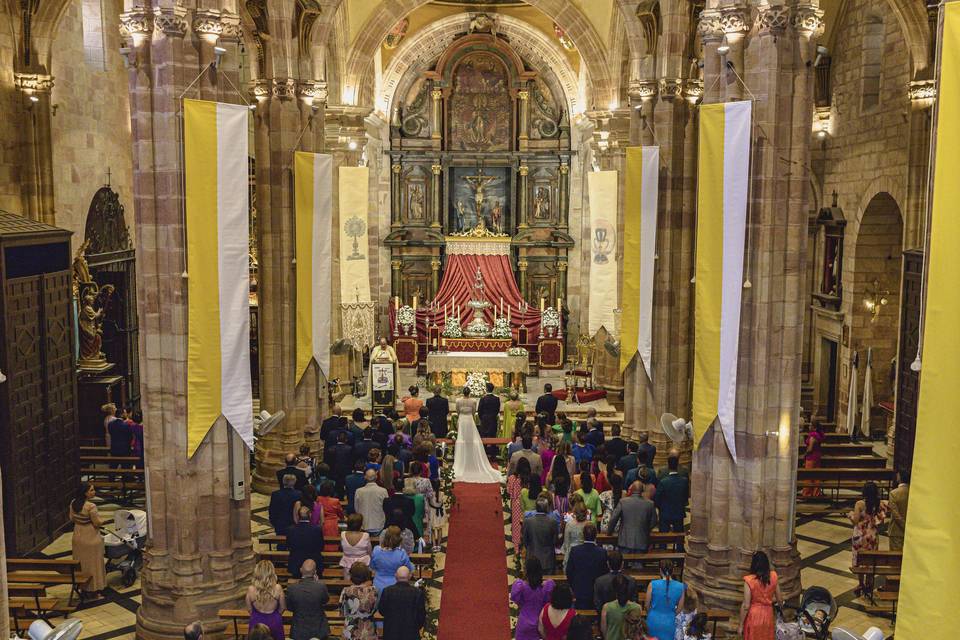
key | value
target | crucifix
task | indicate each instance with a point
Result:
(478, 183)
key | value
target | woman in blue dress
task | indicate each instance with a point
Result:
(664, 600)
(387, 558)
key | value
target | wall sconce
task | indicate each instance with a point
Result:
(874, 299)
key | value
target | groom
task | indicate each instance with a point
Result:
(489, 411)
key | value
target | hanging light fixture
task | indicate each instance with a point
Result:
(874, 299)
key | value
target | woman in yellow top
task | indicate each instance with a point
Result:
(591, 499)
(511, 408)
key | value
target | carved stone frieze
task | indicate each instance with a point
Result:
(693, 90)
(281, 88)
(171, 21)
(735, 20)
(922, 90)
(773, 20)
(670, 88)
(312, 90)
(710, 27)
(206, 22)
(33, 82)
(138, 21)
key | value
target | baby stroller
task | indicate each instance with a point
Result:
(123, 546)
(817, 611)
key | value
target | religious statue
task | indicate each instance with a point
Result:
(81, 271)
(479, 298)
(479, 183)
(496, 217)
(541, 204)
(416, 203)
(92, 309)
(461, 217)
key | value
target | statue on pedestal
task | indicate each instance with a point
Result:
(91, 308)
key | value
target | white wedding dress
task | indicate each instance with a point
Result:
(470, 462)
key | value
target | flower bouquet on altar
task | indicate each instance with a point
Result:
(501, 329)
(406, 318)
(517, 351)
(477, 383)
(451, 328)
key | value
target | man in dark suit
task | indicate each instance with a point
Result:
(307, 600)
(438, 412)
(339, 457)
(594, 429)
(629, 461)
(664, 471)
(540, 536)
(305, 542)
(547, 404)
(488, 408)
(603, 591)
(334, 423)
(403, 607)
(616, 446)
(354, 481)
(639, 517)
(361, 450)
(281, 505)
(291, 461)
(671, 498)
(585, 563)
(646, 452)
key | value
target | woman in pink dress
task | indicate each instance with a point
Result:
(515, 483)
(760, 592)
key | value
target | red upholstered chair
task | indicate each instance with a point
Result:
(581, 365)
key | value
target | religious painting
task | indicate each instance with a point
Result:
(479, 194)
(481, 108)
(415, 201)
(397, 34)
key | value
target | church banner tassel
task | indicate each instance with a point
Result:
(218, 269)
(640, 199)
(929, 589)
(313, 188)
(722, 188)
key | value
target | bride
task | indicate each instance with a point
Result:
(470, 462)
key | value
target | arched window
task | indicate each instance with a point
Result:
(873, 41)
(93, 47)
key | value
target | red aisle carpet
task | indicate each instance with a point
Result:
(473, 604)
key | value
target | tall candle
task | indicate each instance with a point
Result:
(541, 305)
(508, 315)
(414, 303)
(558, 304)
(396, 302)
(444, 315)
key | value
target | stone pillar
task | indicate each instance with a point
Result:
(436, 95)
(522, 266)
(437, 173)
(562, 281)
(740, 507)
(37, 157)
(523, 107)
(524, 170)
(397, 199)
(396, 279)
(735, 22)
(199, 555)
(434, 277)
(922, 94)
(564, 190)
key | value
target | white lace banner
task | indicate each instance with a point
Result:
(477, 247)
(357, 321)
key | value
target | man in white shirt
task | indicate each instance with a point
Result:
(368, 502)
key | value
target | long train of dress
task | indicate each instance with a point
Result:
(470, 462)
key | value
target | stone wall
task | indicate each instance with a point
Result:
(91, 122)
(11, 107)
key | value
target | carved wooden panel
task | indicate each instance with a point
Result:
(908, 381)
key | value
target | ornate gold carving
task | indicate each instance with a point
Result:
(171, 21)
(437, 169)
(33, 82)
(564, 169)
(693, 90)
(396, 167)
(524, 170)
(396, 264)
(436, 94)
(479, 231)
(523, 94)
(435, 264)
(522, 265)
(561, 266)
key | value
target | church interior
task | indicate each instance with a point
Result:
(237, 238)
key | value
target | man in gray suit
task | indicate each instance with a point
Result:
(307, 600)
(540, 536)
(639, 517)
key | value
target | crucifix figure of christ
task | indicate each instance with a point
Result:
(478, 183)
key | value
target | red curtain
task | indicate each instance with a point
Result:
(458, 281)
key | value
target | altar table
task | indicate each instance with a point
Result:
(502, 369)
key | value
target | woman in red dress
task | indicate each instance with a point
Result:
(332, 515)
(812, 457)
(760, 591)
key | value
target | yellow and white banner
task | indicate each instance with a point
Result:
(722, 188)
(929, 589)
(640, 198)
(354, 249)
(602, 190)
(218, 269)
(313, 193)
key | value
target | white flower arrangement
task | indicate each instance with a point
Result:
(451, 328)
(517, 351)
(477, 383)
(550, 317)
(501, 329)
(406, 316)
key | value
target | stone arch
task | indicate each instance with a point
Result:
(912, 19)
(564, 13)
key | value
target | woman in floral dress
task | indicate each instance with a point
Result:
(867, 516)
(358, 603)
(515, 484)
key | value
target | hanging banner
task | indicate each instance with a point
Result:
(218, 268)
(867, 403)
(852, 396)
(641, 193)
(931, 558)
(602, 189)
(354, 247)
(313, 186)
(723, 175)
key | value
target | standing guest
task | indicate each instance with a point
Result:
(488, 410)
(389, 473)
(760, 592)
(291, 467)
(281, 505)
(672, 496)
(387, 558)
(898, 511)
(403, 503)
(265, 600)
(364, 445)
(193, 631)
(136, 434)
(358, 424)
(664, 601)
(306, 461)
(616, 446)
(330, 425)
(603, 588)
(548, 451)
(610, 499)
(639, 516)
(557, 615)
(305, 541)
(594, 429)
(411, 404)
(423, 489)
(109, 428)
(308, 498)
(643, 473)
(613, 613)
(664, 471)
(562, 465)
(582, 450)
(587, 562)
(606, 470)
(352, 482)
(439, 408)
(403, 607)
(355, 543)
(526, 452)
(512, 408)
(373, 460)
(332, 514)
(561, 495)
(515, 483)
(631, 460)
(540, 536)
(531, 596)
(408, 538)
(530, 493)
(419, 508)
(339, 457)
(87, 544)
(307, 599)
(697, 628)
(368, 502)
(358, 603)
(812, 456)
(867, 516)
(573, 531)
(590, 497)
(646, 452)
(547, 404)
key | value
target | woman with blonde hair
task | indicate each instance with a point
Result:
(388, 473)
(387, 558)
(265, 600)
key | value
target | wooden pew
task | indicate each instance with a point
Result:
(834, 480)
(332, 558)
(829, 437)
(842, 449)
(880, 563)
(238, 618)
(273, 539)
(47, 572)
(657, 539)
(87, 460)
(852, 462)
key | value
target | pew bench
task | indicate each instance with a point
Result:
(46, 572)
(87, 460)
(880, 563)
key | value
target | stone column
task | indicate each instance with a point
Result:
(740, 507)
(437, 183)
(434, 277)
(37, 157)
(522, 267)
(523, 107)
(436, 95)
(562, 281)
(4, 598)
(396, 279)
(735, 22)
(564, 189)
(922, 94)
(524, 170)
(199, 555)
(397, 195)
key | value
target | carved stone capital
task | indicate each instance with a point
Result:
(260, 89)
(315, 91)
(136, 22)
(671, 88)
(396, 167)
(524, 170)
(396, 264)
(32, 83)
(709, 26)
(522, 265)
(280, 88)
(564, 169)
(561, 266)
(206, 22)
(735, 20)
(693, 90)
(644, 90)
(922, 92)
(436, 94)
(436, 169)
(523, 94)
(171, 21)
(435, 264)
(808, 20)
(773, 20)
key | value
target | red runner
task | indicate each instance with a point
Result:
(473, 604)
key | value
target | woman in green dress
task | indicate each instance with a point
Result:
(511, 408)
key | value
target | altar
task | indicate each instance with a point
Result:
(502, 369)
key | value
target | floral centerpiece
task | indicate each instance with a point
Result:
(406, 318)
(451, 328)
(550, 321)
(517, 351)
(501, 329)
(477, 383)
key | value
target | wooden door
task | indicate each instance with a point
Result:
(908, 381)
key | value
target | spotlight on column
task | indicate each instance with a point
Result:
(34, 99)
(723, 49)
(218, 52)
(352, 145)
